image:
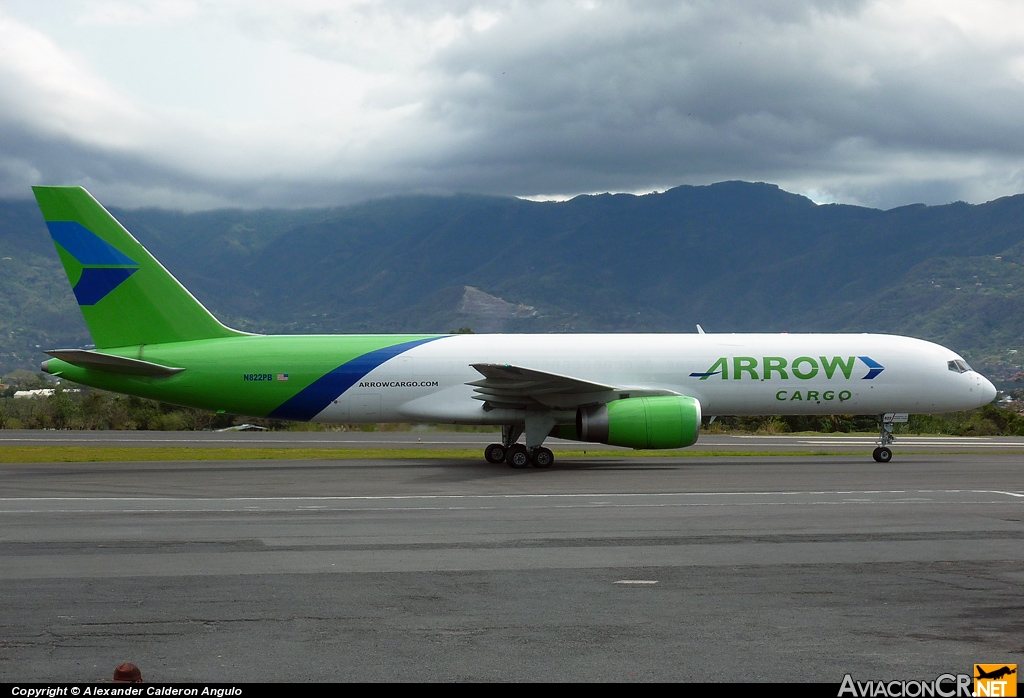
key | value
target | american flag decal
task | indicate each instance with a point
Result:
(282, 376)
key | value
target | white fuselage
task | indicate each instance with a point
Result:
(729, 374)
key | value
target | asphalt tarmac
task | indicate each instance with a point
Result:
(433, 440)
(774, 568)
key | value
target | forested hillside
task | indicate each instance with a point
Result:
(732, 256)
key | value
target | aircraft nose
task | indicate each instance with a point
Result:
(988, 391)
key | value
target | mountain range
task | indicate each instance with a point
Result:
(732, 256)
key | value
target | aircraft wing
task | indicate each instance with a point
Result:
(517, 387)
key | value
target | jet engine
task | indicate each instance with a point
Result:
(641, 422)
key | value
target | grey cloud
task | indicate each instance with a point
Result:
(716, 92)
(647, 95)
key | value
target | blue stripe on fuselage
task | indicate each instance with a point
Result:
(315, 397)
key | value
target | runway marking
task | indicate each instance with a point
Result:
(636, 581)
(915, 444)
(614, 558)
(459, 502)
(862, 438)
(342, 510)
(568, 495)
(254, 442)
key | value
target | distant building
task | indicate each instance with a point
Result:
(41, 392)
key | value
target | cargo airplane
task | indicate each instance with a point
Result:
(153, 339)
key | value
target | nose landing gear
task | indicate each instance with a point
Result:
(882, 453)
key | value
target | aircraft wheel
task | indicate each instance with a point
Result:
(542, 457)
(518, 457)
(882, 454)
(495, 453)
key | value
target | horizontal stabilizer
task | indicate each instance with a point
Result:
(113, 364)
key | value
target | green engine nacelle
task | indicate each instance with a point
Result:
(641, 422)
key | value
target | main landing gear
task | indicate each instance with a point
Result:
(517, 455)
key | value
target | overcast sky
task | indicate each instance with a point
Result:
(194, 104)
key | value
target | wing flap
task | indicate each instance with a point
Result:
(527, 380)
(517, 387)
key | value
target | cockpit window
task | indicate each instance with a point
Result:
(958, 366)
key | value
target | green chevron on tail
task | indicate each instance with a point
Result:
(126, 296)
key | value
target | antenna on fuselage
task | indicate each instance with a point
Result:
(700, 330)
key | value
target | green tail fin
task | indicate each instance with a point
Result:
(126, 296)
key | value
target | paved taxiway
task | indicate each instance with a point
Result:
(433, 440)
(747, 568)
